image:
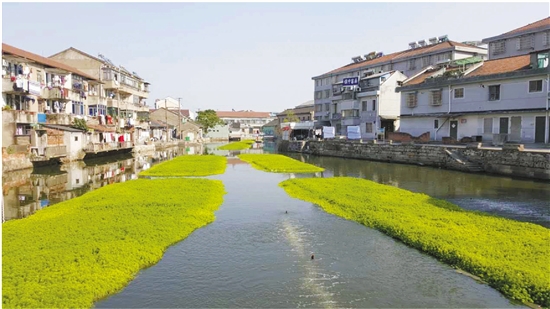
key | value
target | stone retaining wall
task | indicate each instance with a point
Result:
(510, 161)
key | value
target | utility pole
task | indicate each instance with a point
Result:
(179, 118)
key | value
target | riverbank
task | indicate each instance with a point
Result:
(510, 160)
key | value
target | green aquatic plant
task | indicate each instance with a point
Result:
(241, 145)
(512, 257)
(79, 251)
(188, 166)
(278, 163)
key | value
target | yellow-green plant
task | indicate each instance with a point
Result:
(241, 145)
(278, 163)
(188, 166)
(512, 257)
(78, 251)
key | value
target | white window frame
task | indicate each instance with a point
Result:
(535, 80)
(546, 38)
(454, 93)
(525, 42)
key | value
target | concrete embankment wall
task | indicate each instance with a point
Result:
(510, 161)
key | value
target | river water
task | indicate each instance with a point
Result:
(256, 255)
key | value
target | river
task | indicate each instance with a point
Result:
(256, 255)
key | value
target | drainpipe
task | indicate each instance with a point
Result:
(449, 99)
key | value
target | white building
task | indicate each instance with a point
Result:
(339, 93)
(499, 100)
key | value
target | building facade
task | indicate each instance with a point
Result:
(338, 93)
(121, 93)
(504, 99)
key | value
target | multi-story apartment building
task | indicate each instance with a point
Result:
(34, 83)
(122, 93)
(338, 93)
(32, 88)
(506, 98)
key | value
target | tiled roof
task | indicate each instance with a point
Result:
(489, 67)
(541, 23)
(242, 114)
(402, 55)
(503, 65)
(8, 49)
(101, 128)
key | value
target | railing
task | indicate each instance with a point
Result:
(336, 116)
(99, 147)
(55, 151)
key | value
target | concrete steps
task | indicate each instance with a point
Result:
(470, 166)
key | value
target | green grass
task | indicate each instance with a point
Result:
(84, 249)
(244, 144)
(512, 257)
(188, 166)
(278, 163)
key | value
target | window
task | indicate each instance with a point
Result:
(327, 107)
(327, 93)
(76, 138)
(435, 97)
(318, 94)
(436, 123)
(411, 99)
(488, 125)
(535, 85)
(459, 93)
(542, 60)
(412, 64)
(426, 60)
(494, 93)
(318, 107)
(364, 105)
(546, 38)
(499, 47)
(39, 76)
(368, 127)
(524, 42)
(373, 105)
(335, 105)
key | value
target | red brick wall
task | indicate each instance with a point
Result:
(406, 137)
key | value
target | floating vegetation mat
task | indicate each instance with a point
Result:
(276, 163)
(188, 166)
(79, 251)
(245, 144)
(512, 257)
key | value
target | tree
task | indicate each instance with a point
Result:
(291, 117)
(208, 119)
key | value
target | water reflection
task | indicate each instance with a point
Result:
(27, 191)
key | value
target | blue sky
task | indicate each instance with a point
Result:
(247, 56)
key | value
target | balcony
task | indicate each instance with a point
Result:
(349, 104)
(336, 116)
(103, 147)
(55, 94)
(19, 116)
(351, 121)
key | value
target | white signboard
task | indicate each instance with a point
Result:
(354, 132)
(328, 132)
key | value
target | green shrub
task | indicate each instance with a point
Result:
(245, 144)
(278, 163)
(188, 166)
(512, 257)
(78, 251)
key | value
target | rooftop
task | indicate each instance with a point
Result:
(403, 55)
(242, 114)
(8, 49)
(532, 27)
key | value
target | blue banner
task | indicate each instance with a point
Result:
(350, 81)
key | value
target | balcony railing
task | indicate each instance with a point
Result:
(336, 116)
(99, 147)
(56, 151)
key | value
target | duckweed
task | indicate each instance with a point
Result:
(278, 163)
(244, 144)
(84, 249)
(188, 166)
(512, 257)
